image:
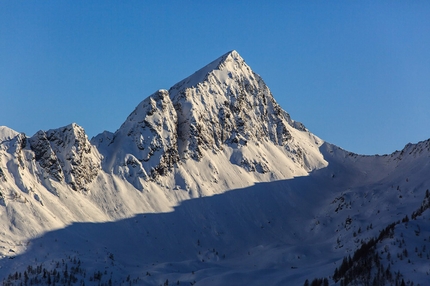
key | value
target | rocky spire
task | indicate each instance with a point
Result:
(223, 104)
(227, 103)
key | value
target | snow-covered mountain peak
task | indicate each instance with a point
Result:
(226, 103)
(7, 133)
(227, 61)
(223, 105)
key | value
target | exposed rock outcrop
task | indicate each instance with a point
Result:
(145, 146)
(224, 103)
(66, 154)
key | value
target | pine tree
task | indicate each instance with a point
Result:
(326, 282)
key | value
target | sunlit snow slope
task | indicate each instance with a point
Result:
(208, 183)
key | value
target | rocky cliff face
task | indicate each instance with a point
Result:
(224, 104)
(65, 154)
(227, 103)
(145, 146)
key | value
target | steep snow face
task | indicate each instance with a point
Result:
(6, 133)
(12, 154)
(226, 103)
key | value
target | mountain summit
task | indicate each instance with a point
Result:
(223, 105)
(226, 102)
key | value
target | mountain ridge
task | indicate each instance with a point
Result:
(170, 126)
(153, 152)
(216, 131)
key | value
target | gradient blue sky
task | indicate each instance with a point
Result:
(356, 73)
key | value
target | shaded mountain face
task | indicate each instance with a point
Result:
(209, 182)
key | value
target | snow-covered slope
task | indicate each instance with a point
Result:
(223, 108)
(209, 182)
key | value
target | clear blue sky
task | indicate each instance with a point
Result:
(356, 73)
